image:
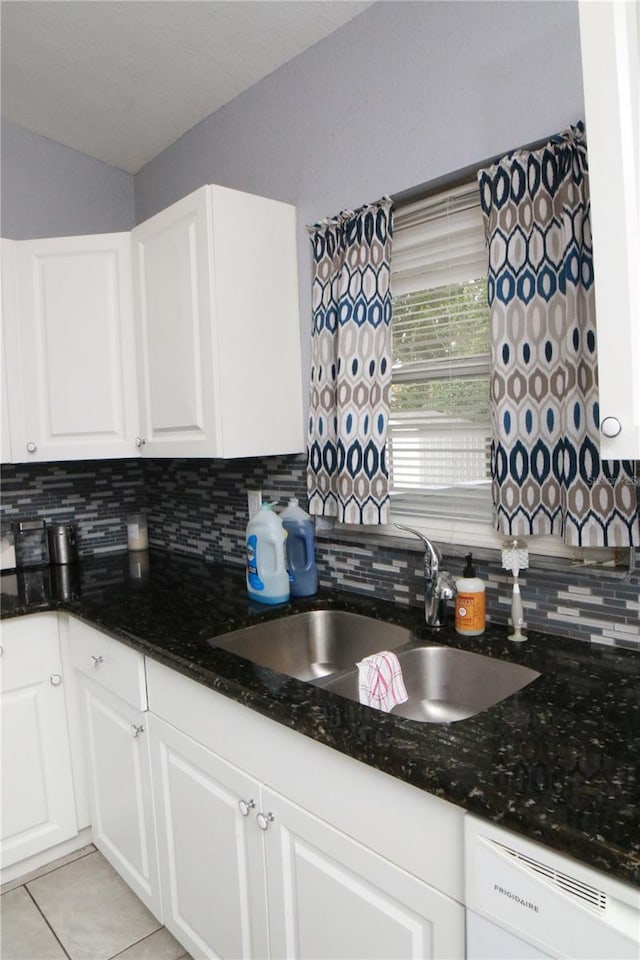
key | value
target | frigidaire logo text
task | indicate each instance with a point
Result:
(514, 896)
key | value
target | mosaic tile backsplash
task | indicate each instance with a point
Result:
(199, 507)
(97, 495)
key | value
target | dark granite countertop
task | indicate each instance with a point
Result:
(557, 762)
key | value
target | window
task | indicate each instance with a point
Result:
(439, 431)
(440, 425)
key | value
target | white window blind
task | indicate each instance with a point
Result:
(439, 430)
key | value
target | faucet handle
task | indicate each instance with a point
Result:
(433, 553)
(446, 585)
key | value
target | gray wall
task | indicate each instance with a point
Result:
(49, 190)
(406, 93)
(401, 95)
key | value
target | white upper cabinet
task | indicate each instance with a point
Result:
(218, 338)
(174, 336)
(610, 37)
(202, 360)
(7, 306)
(70, 350)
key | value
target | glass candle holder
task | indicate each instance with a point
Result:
(137, 532)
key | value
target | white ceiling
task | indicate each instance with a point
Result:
(122, 79)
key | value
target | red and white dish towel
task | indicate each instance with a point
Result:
(380, 681)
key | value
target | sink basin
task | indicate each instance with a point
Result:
(311, 645)
(323, 646)
(445, 684)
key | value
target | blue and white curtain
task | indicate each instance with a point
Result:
(347, 475)
(547, 474)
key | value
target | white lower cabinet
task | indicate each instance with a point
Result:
(120, 791)
(113, 712)
(246, 872)
(246, 839)
(212, 870)
(38, 806)
(329, 896)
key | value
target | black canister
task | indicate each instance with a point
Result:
(64, 578)
(62, 543)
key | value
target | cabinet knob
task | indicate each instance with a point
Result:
(55, 679)
(610, 427)
(246, 806)
(97, 660)
(136, 731)
(140, 441)
(264, 819)
(31, 447)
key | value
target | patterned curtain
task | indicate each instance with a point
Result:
(347, 474)
(546, 469)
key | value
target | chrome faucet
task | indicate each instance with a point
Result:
(439, 585)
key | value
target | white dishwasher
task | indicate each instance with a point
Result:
(527, 902)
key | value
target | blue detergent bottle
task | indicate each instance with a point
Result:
(267, 578)
(300, 550)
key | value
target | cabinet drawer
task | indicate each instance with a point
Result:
(109, 663)
(30, 649)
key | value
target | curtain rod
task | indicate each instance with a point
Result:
(459, 178)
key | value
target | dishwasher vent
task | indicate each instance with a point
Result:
(575, 888)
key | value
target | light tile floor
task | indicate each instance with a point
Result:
(78, 908)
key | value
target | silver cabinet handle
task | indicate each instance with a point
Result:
(610, 427)
(246, 806)
(31, 447)
(264, 819)
(55, 679)
(136, 731)
(97, 660)
(140, 441)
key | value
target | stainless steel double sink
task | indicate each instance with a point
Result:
(322, 647)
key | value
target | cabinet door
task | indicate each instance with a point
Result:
(211, 858)
(173, 265)
(218, 333)
(70, 350)
(117, 743)
(610, 39)
(7, 307)
(38, 809)
(257, 325)
(330, 897)
(5, 430)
